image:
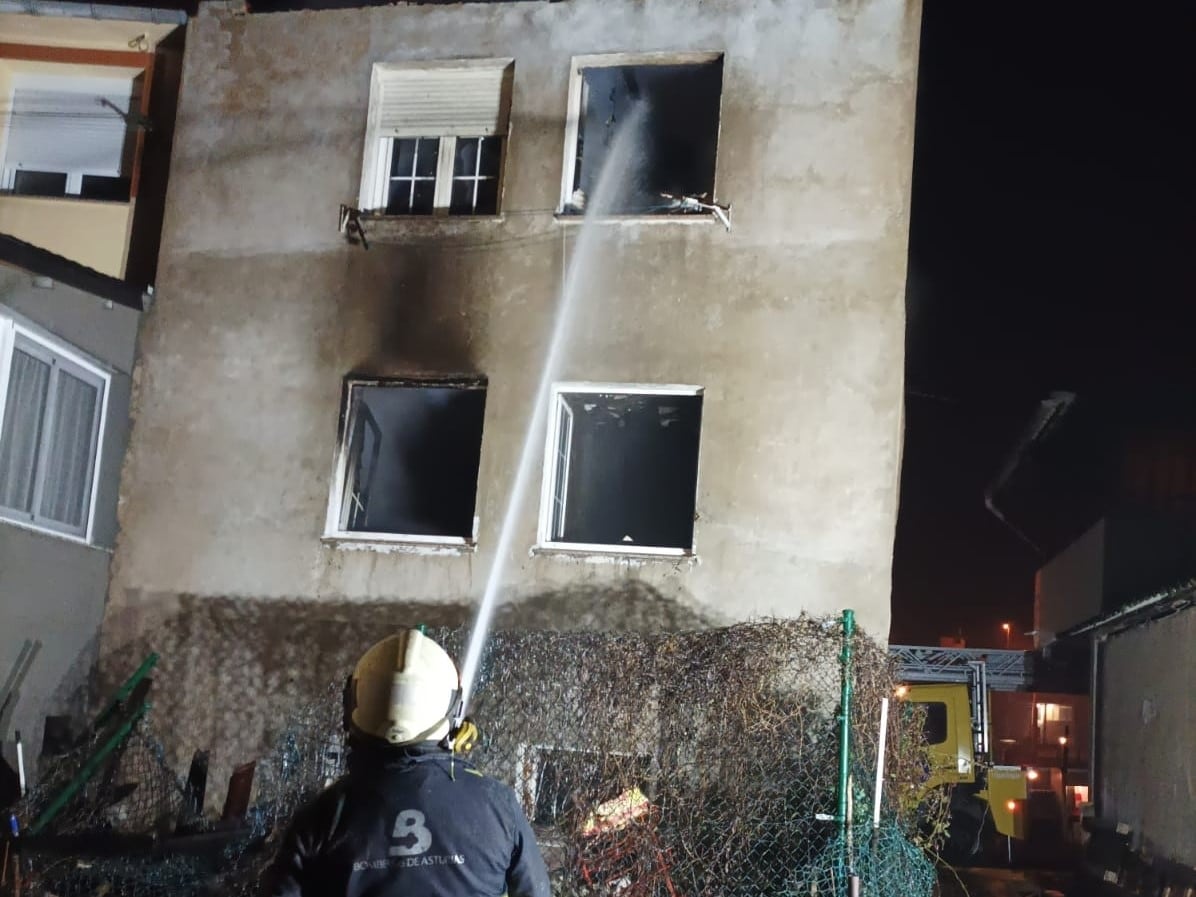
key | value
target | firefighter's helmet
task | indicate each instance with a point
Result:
(404, 690)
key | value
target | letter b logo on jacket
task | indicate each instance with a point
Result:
(412, 835)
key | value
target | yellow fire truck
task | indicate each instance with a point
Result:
(952, 686)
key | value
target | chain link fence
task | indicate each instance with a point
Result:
(654, 765)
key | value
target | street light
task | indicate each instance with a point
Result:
(1007, 628)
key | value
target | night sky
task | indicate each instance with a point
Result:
(1053, 246)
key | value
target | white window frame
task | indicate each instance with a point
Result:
(333, 530)
(547, 539)
(573, 114)
(74, 177)
(10, 331)
(375, 169)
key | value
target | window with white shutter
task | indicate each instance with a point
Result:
(69, 136)
(436, 138)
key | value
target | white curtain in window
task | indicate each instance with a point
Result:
(69, 125)
(468, 101)
(67, 485)
(28, 385)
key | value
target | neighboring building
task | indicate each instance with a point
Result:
(86, 118)
(326, 435)
(1144, 679)
(1122, 557)
(67, 335)
(86, 124)
(1090, 609)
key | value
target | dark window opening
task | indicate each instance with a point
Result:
(113, 189)
(675, 151)
(39, 183)
(625, 470)
(412, 188)
(934, 726)
(475, 176)
(578, 781)
(412, 464)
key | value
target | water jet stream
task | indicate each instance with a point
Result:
(616, 164)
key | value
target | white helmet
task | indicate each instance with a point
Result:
(404, 690)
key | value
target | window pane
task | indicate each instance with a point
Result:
(40, 183)
(425, 196)
(466, 163)
(67, 486)
(934, 727)
(633, 469)
(491, 156)
(413, 463)
(398, 200)
(402, 159)
(98, 187)
(426, 155)
(462, 201)
(487, 197)
(22, 429)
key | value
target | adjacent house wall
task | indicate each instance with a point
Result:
(52, 588)
(793, 323)
(1069, 589)
(1147, 726)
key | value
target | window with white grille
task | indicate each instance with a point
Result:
(52, 405)
(69, 136)
(436, 138)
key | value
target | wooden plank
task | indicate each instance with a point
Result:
(75, 55)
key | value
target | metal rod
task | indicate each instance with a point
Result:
(125, 690)
(20, 763)
(880, 762)
(89, 769)
(844, 809)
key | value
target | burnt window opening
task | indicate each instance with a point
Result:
(623, 470)
(674, 151)
(410, 459)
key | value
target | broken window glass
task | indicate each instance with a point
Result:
(625, 470)
(674, 155)
(412, 465)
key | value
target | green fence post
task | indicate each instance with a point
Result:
(845, 729)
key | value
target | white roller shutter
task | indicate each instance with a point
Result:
(68, 125)
(443, 102)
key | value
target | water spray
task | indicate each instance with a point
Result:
(614, 166)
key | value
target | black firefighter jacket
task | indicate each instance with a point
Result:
(420, 825)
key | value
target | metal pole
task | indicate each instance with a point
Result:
(880, 762)
(844, 810)
(20, 763)
(845, 719)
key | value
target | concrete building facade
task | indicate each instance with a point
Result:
(770, 352)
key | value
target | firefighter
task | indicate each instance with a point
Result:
(410, 816)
